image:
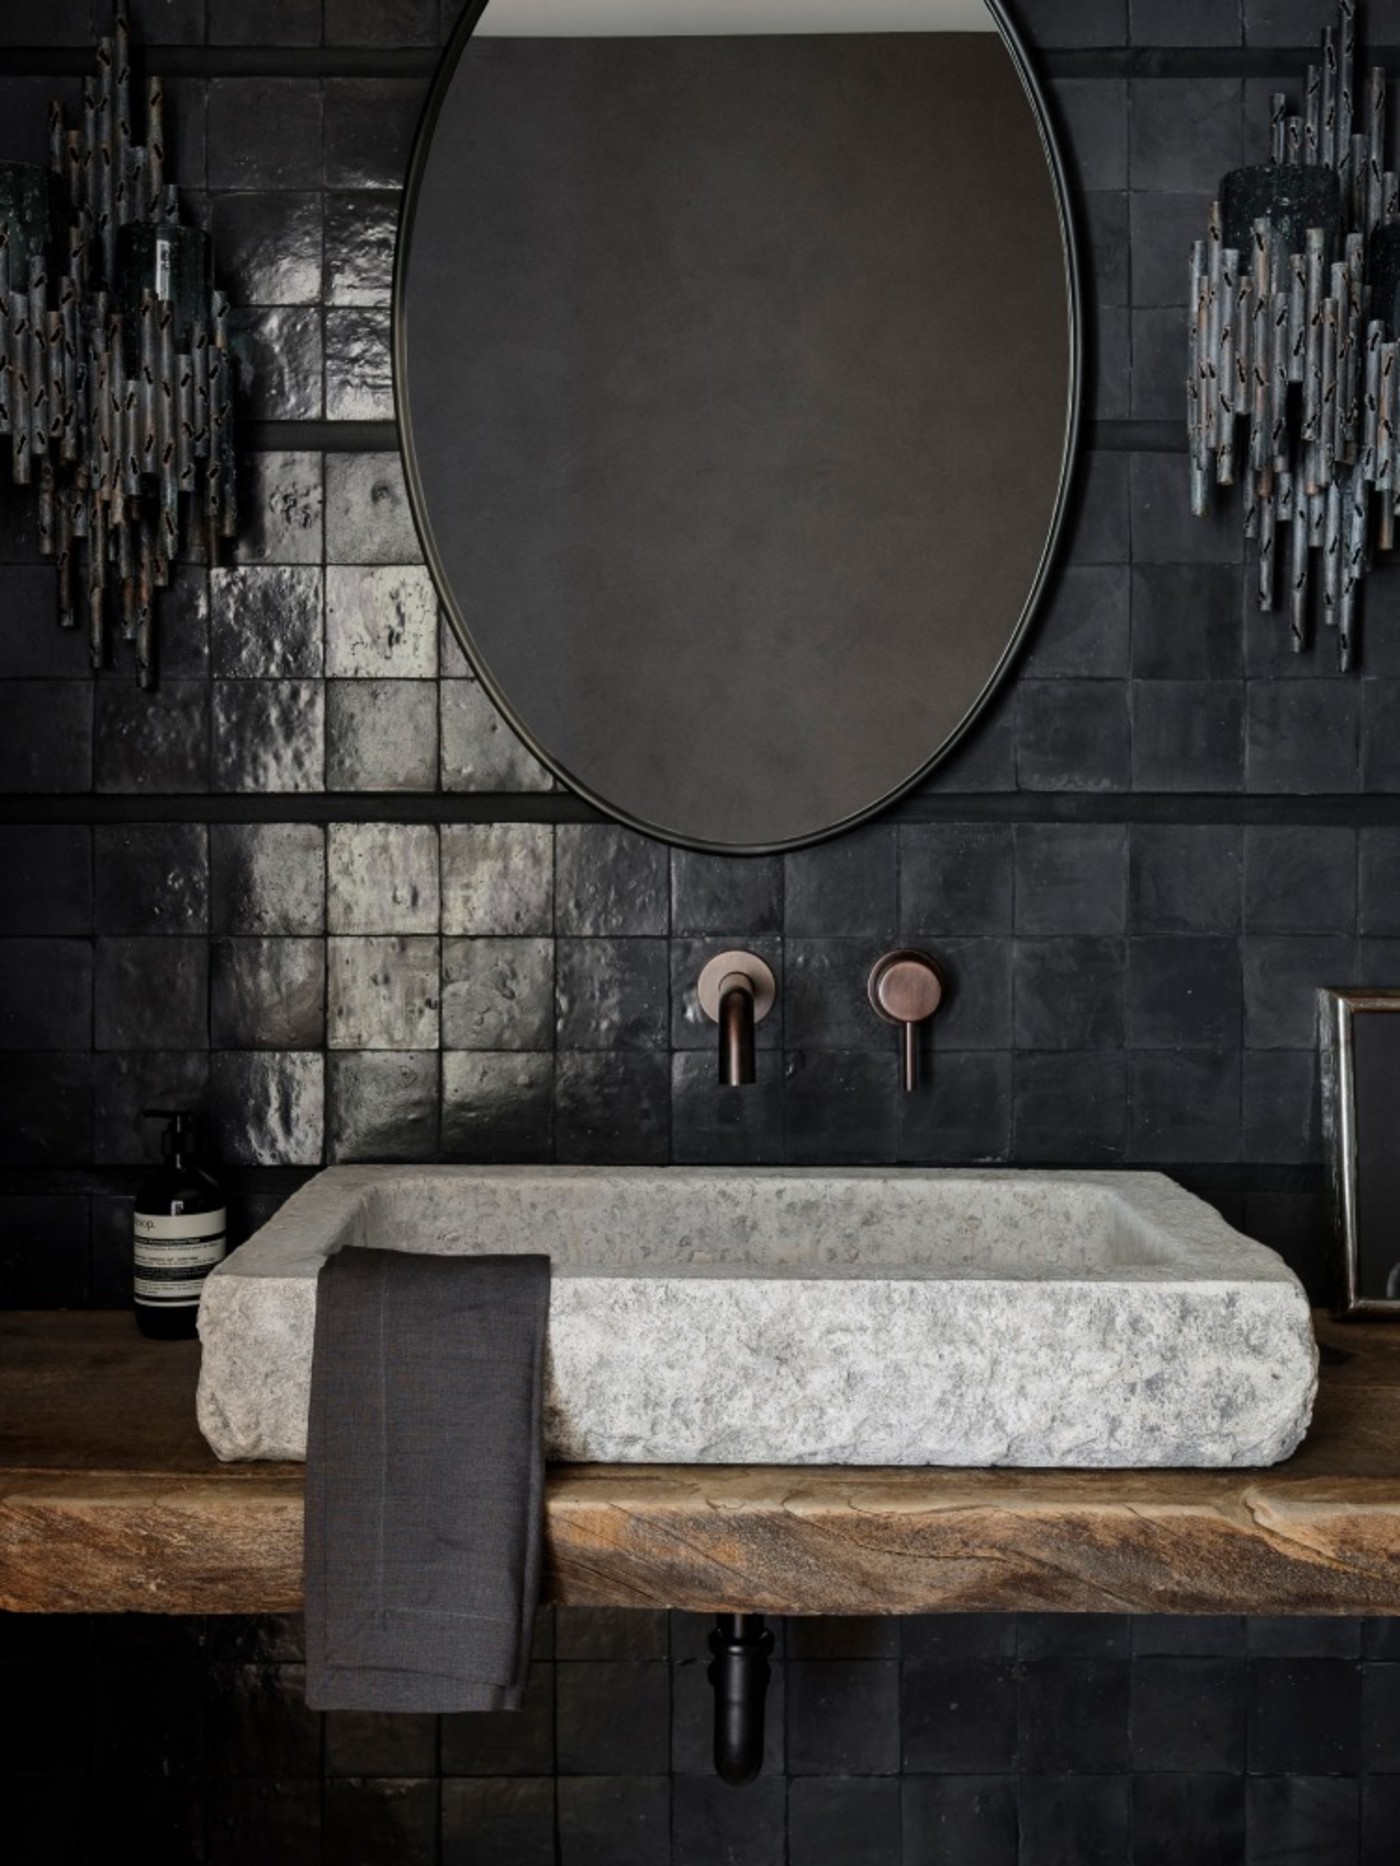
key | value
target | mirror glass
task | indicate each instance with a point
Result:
(736, 356)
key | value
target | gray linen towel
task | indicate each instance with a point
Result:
(424, 1480)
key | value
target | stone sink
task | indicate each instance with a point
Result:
(822, 1316)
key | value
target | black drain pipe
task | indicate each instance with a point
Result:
(739, 1673)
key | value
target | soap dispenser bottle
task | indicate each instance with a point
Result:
(179, 1230)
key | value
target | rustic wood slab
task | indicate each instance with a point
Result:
(111, 1502)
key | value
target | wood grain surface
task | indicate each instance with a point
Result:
(111, 1502)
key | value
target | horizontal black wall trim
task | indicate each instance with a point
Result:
(1338, 810)
(341, 437)
(1136, 437)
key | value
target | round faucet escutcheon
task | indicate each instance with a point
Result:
(736, 990)
(906, 988)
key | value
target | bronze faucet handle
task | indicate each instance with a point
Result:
(906, 988)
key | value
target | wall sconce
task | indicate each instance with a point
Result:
(1292, 385)
(115, 375)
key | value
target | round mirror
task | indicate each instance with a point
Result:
(736, 353)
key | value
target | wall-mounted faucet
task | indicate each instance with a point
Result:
(906, 988)
(737, 990)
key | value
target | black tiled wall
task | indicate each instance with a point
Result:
(315, 885)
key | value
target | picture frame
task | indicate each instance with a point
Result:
(1359, 1040)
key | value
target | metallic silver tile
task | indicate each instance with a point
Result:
(268, 1107)
(383, 878)
(381, 735)
(281, 509)
(497, 1106)
(266, 622)
(267, 994)
(368, 520)
(383, 994)
(383, 1106)
(382, 622)
(498, 994)
(361, 230)
(479, 750)
(497, 878)
(279, 362)
(268, 878)
(359, 379)
(269, 735)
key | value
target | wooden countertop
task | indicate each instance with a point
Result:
(110, 1501)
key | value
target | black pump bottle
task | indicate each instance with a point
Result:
(179, 1228)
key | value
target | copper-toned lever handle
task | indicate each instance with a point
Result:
(906, 988)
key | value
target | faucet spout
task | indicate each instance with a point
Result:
(736, 1066)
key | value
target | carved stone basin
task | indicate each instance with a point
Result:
(821, 1316)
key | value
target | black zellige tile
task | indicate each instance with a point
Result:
(1070, 878)
(382, 1106)
(958, 1636)
(44, 1259)
(152, 877)
(1068, 1820)
(1156, 375)
(151, 742)
(1185, 1105)
(826, 1005)
(611, 1633)
(1304, 1716)
(128, 1081)
(267, 878)
(257, 1722)
(1282, 976)
(1303, 736)
(968, 1818)
(955, 878)
(1069, 1107)
(381, 620)
(1309, 1818)
(45, 1108)
(1189, 1714)
(1183, 133)
(1380, 1819)
(497, 1106)
(267, 994)
(266, 622)
(269, 247)
(606, 1818)
(1302, 1636)
(262, 1819)
(1072, 735)
(281, 508)
(264, 133)
(842, 1716)
(1181, 1635)
(611, 1717)
(840, 1107)
(842, 887)
(960, 1716)
(268, 735)
(1186, 621)
(505, 1743)
(480, 749)
(370, 124)
(1105, 228)
(1379, 883)
(1093, 114)
(359, 374)
(1200, 1818)
(1380, 1703)
(48, 870)
(1073, 1716)
(1380, 761)
(264, 22)
(1299, 879)
(613, 994)
(690, 1028)
(33, 643)
(279, 362)
(711, 1125)
(1164, 531)
(151, 994)
(167, 22)
(498, 994)
(1188, 735)
(1083, 629)
(1184, 879)
(370, 22)
(1113, 381)
(610, 881)
(1162, 227)
(1097, 1636)
(853, 1819)
(501, 1818)
(367, 514)
(1097, 517)
(369, 1819)
(1061, 24)
(961, 1111)
(717, 893)
(381, 735)
(612, 1107)
(1068, 993)
(498, 878)
(1183, 992)
(710, 1822)
(360, 233)
(267, 1107)
(984, 760)
(382, 878)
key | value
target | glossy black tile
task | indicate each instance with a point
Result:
(45, 1108)
(498, 878)
(610, 881)
(1072, 735)
(960, 1113)
(506, 1743)
(955, 878)
(1304, 1716)
(151, 994)
(612, 1717)
(151, 742)
(498, 994)
(511, 1822)
(267, 878)
(1189, 1715)
(381, 735)
(603, 1819)
(267, 994)
(1070, 878)
(960, 1716)
(1068, 993)
(370, 124)
(266, 622)
(1052, 1126)
(1310, 1819)
(47, 742)
(33, 643)
(1069, 1820)
(257, 1722)
(968, 1818)
(151, 877)
(840, 1108)
(359, 376)
(826, 1005)
(717, 893)
(842, 1716)
(281, 501)
(382, 1819)
(711, 1823)
(268, 735)
(842, 888)
(279, 357)
(277, 1823)
(612, 1108)
(499, 1106)
(128, 1081)
(1184, 879)
(854, 1819)
(269, 247)
(367, 514)
(382, 1106)
(264, 133)
(48, 871)
(382, 878)
(711, 1125)
(361, 230)
(267, 1107)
